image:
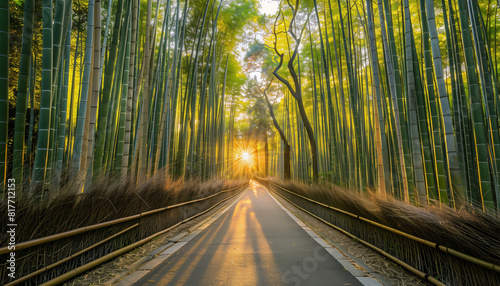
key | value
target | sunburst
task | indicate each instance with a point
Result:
(245, 157)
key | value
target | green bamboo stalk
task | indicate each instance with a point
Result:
(424, 131)
(114, 101)
(96, 87)
(82, 111)
(438, 161)
(130, 93)
(191, 91)
(418, 167)
(160, 99)
(167, 92)
(454, 178)
(143, 129)
(489, 94)
(106, 91)
(56, 110)
(382, 152)
(483, 191)
(31, 92)
(353, 95)
(60, 25)
(105, 41)
(395, 106)
(222, 127)
(45, 103)
(22, 94)
(401, 100)
(123, 102)
(4, 91)
(64, 105)
(323, 55)
(340, 106)
(58, 32)
(83, 158)
(462, 110)
(456, 103)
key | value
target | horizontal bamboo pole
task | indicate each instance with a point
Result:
(50, 238)
(72, 273)
(39, 271)
(435, 245)
(405, 265)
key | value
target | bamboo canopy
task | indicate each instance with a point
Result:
(405, 104)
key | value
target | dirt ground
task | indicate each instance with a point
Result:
(112, 271)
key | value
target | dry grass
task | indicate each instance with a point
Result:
(469, 231)
(106, 200)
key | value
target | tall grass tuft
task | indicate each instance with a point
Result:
(469, 231)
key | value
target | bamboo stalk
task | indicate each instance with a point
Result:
(22, 93)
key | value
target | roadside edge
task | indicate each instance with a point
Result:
(142, 266)
(363, 273)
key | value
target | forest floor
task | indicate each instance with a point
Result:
(112, 271)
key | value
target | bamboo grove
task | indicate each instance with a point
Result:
(120, 89)
(397, 96)
(400, 97)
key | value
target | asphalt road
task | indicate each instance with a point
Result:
(254, 243)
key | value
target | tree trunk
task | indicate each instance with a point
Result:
(297, 92)
(286, 152)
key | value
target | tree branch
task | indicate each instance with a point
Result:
(275, 72)
(275, 122)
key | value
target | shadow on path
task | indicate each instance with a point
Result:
(254, 243)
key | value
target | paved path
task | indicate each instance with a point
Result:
(255, 242)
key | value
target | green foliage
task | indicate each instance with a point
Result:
(236, 14)
(179, 108)
(235, 78)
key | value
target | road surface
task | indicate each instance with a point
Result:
(255, 242)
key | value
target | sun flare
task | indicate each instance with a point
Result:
(245, 156)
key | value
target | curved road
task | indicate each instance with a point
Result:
(255, 242)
